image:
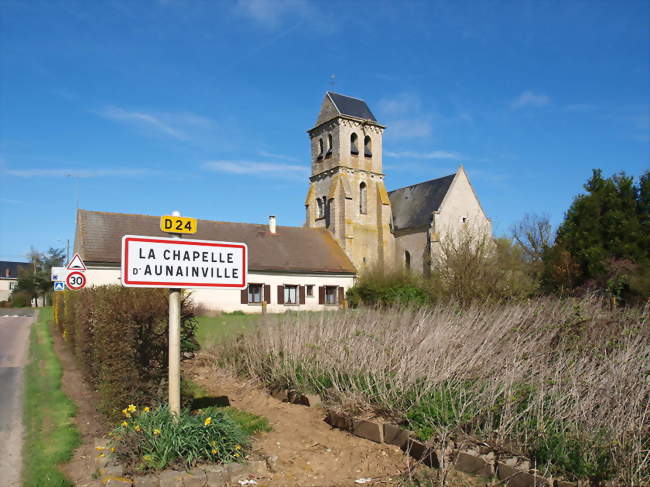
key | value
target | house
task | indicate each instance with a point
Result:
(352, 223)
(9, 277)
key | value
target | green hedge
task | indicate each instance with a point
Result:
(119, 338)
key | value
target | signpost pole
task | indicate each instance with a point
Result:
(175, 346)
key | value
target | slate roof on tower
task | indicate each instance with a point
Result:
(290, 249)
(413, 205)
(335, 105)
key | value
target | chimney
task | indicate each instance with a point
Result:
(272, 224)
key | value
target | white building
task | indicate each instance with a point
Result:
(9, 277)
(289, 268)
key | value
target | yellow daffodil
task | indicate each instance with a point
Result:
(100, 448)
(137, 428)
(237, 447)
(146, 409)
(207, 421)
(113, 449)
(156, 431)
(124, 423)
(237, 455)
(214, 452)
(132, 408)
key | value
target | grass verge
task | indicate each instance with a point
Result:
(50, 434)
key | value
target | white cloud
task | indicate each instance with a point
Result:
(272, 13)
(530, 99)
(273, 155)
(176, 125)
(11, 202)
(436, 154)
(77, 173)
(409, 129)
(257, 168)
(400, 104)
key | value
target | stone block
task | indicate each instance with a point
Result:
(257, 467)
(368, 430)
(468, 463)
(338, 420)
(514, 477)
(394, 435)
(237, 471)
(117, 482)
(146, 481)
(217, 479)
(420, 452)
(112, 470)
(195, 478)
(171, 478)
(313, 400)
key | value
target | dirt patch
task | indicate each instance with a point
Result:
(90, 423)
(310, 453)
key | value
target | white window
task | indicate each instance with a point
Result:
(310, 290)
(331, 294)
(12, 285)
(255, 292)
(290, 294)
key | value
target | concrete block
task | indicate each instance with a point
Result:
(171, 478)
(146, 481)
(394, 435)
(420, 452)
(468, 463)
(117, 482)
(195, 478)
(338, 420)
(518, 478)
(313, 400)
(368, 430)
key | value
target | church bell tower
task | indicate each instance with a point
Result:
(346, 193)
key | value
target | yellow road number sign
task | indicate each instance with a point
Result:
(178, 224)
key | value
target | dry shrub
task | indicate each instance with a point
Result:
(563, 381)
(119, 338)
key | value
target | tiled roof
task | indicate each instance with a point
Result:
(413, 206)
(290, 249)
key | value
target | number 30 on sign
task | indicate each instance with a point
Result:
(178, 224)
(75, 280)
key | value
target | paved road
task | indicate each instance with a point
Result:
(14, 338)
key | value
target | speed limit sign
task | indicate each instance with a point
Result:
(75, 280)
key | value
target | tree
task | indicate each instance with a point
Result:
(534, 234)
(34, 281)
(605, 234)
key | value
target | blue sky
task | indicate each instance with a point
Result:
(202, 107)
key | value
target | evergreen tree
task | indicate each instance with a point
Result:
(605, 236)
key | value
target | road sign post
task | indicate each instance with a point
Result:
(175, 263)
(174, 342)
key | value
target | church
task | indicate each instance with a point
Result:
(352, 224)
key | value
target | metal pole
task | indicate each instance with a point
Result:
(175, 346)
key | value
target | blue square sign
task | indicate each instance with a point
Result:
(59, 286)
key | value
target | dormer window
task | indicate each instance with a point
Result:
(354, 150)
(367, 146)
(320, 149)
(329, 146)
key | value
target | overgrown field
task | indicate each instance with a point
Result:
(565, 382)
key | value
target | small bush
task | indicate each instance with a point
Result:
(155, 439)
(20, 299)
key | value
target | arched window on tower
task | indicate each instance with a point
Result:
(407, 260)
(367, 146)
(363, 201)
(353, 144)
(329, 214)
(329, 145)
(320, 149)
(321, 210)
